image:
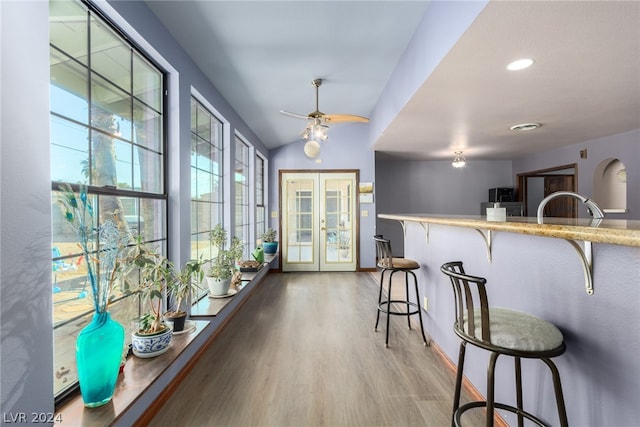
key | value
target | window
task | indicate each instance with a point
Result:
(206, 178)
(107, 132)
(241, 177)
(261, 217)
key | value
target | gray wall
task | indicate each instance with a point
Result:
(25, 235)
(434, 187)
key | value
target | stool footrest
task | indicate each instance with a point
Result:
(457, 415)
(383, 307)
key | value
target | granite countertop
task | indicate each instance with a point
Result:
(612, 231)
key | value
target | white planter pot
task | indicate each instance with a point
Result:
(151, 345)
(218, 287)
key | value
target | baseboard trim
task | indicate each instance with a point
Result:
(466, 384)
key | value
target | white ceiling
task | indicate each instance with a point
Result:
(263, 55)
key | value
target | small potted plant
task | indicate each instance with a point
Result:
(151, 336)
(269, 243)
(223, 264)
(182, 286)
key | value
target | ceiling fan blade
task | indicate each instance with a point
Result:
(344, 118)
(296, 115)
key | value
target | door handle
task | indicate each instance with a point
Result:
(323, 229)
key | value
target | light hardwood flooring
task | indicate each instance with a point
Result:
(302, 352)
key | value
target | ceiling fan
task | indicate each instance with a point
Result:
(321, 118)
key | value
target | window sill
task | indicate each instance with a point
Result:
(138, 375)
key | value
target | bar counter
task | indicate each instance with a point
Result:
(530, 267)
(613, 231)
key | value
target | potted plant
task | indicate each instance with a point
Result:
(181, 287)
(222, 265)
(269, 243)
(151, 336)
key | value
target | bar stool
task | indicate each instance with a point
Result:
(388, 263)
(502, 332)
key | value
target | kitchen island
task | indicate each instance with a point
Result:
(532, 268)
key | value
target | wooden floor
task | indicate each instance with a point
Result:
(302, 352)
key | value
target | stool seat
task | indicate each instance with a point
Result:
(502, 332)
(396, 307)
(399, 264)
(517, 331)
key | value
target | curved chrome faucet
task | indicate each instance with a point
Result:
(593, 209)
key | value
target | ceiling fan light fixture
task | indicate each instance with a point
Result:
(525, 126)
(520, 64)
(312, 149)
(315, 131)
(319, 132)
(459, 160)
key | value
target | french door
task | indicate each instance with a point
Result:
(318, 221)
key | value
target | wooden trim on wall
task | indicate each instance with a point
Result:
(466, 384)
(521, 180)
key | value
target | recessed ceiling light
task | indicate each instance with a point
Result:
(525, 126)
(520, 64)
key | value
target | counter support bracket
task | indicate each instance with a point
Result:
(586, 256)
(487, 242)
(425, 227)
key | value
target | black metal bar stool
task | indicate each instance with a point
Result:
(502, 332)
(387, 262)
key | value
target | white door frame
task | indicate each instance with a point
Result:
(324, 242)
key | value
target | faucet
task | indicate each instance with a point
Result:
(593, 209)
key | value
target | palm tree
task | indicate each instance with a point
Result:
(104, 171)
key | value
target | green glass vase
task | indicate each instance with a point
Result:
(98, 356)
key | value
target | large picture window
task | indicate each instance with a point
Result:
(206, 178)
(107, 133)
(241, 179)
(261, 216)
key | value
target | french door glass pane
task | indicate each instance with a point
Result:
(338, 221)
(300, 240)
